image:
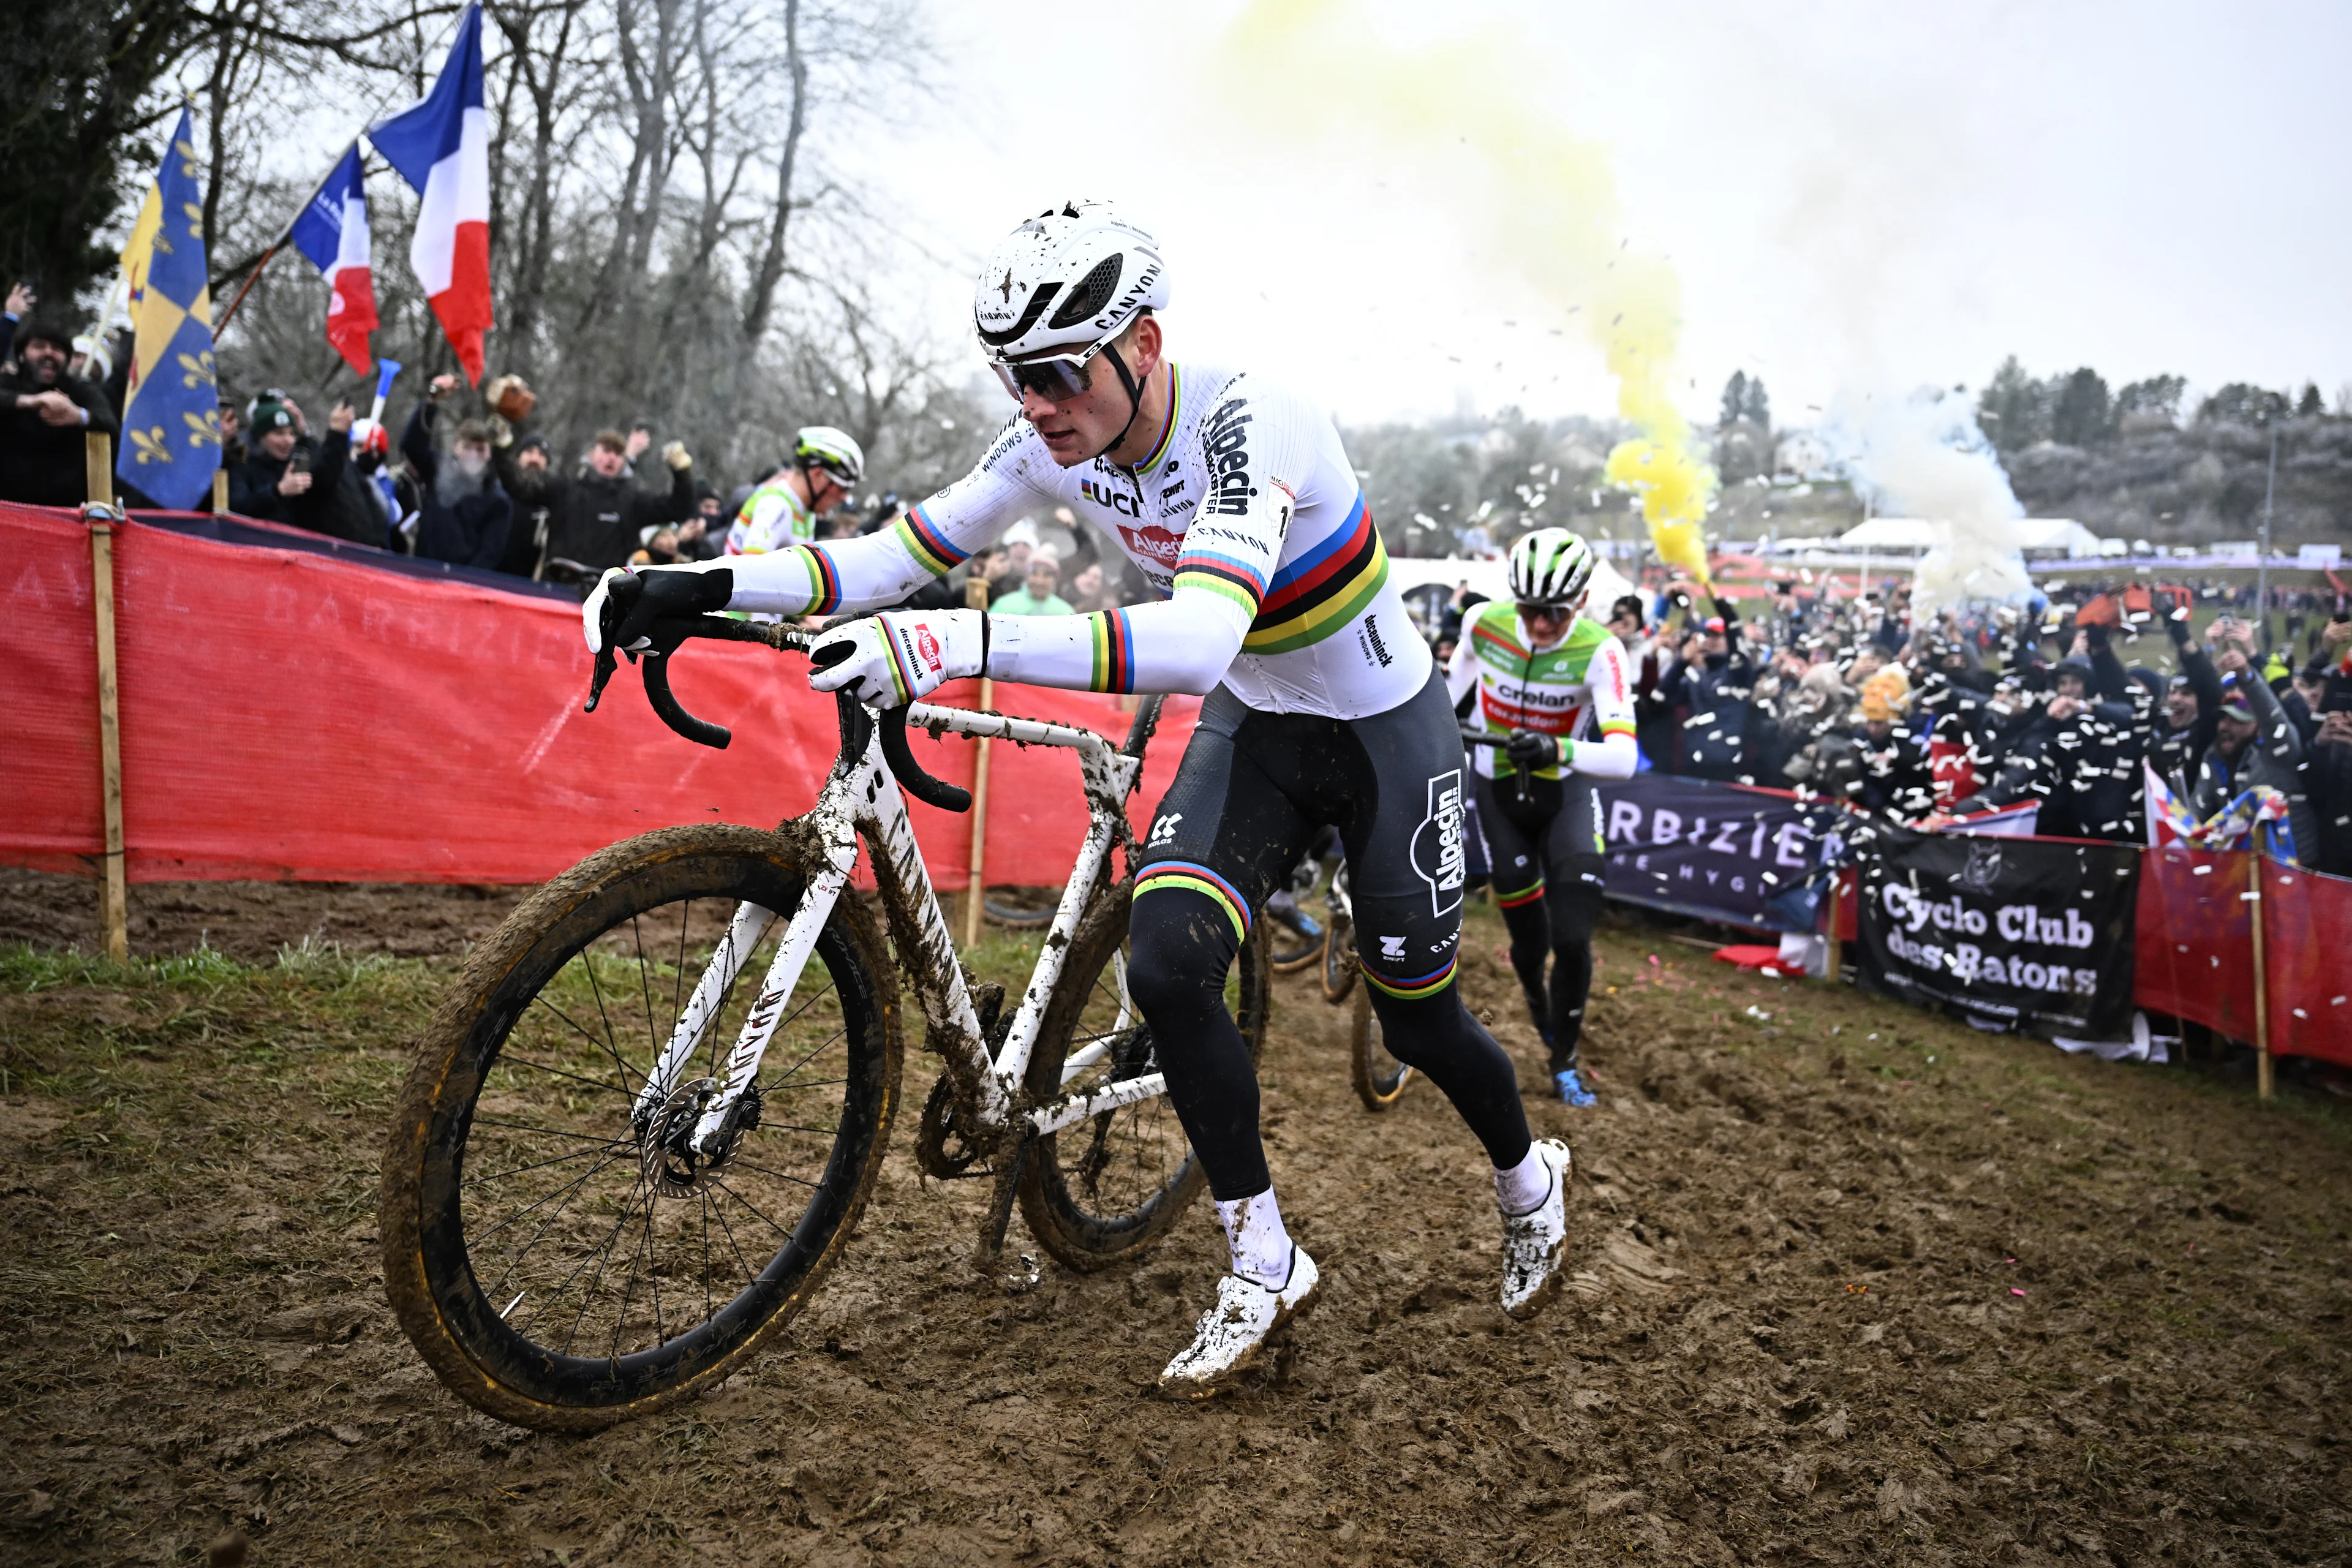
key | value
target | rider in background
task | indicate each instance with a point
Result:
(1234, 499)
(825, 465)
(1560, 687)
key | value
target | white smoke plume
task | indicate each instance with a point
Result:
(1922, 456)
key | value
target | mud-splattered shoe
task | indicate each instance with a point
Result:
(1235, 1330)
(1572, 1090)
(1534, 1241)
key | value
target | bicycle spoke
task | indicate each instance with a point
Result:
(597, 990)
(763, 1219)
(780, 1175)
(537, 1165)
(604, 1045)
(604, 1252)
(566, 1193)
(506, 1056)
(644, 987)
(548, 1131)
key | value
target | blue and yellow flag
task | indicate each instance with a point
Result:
(171, 416)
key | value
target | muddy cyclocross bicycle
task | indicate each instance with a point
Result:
(641, 1127)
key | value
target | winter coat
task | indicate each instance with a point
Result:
(43, 464)
(467, 530)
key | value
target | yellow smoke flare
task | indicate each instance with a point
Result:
(1543, 202)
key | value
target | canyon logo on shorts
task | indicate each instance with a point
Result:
(1437, 854)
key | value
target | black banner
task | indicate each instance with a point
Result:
(2028, 934)
(1743, 857)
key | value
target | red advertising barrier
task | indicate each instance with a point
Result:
(2307, 951)
(288, 715)
(2194, 955)
(2195, 952)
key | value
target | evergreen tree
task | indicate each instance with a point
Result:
(1759, 408)
(2013, 410)
(2156, 395)
(2311, 406)
(2081, 412)
(2242, 403)
(1735, 400)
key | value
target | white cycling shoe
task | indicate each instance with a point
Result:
(1534, 1242)
(1235, 1330)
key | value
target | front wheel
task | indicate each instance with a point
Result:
(1380, 1079)
(549, 1249)
(1108, 1187)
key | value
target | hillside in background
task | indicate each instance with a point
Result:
(2131, 464)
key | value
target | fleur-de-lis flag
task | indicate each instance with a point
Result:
(171, 416)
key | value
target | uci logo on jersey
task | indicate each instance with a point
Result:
(1103, 495)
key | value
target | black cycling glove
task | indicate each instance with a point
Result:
(1529, 751)
(624, 605)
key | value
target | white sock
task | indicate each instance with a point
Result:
(1261, 1246)
(1523, 1188)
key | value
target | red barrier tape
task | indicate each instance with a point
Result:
(292, 716)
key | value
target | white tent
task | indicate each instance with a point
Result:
(2056, 536)
(1890, 533)
(2041, 535)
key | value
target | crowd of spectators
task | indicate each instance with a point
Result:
(1925, 721)
(1930, 720)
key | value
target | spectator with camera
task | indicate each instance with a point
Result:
(290, 479)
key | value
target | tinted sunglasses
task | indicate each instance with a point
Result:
(1056, 378)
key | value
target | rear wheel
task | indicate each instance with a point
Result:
(1380, 1079)
(1339, 961)
(549, 1250)
(1111, 1186)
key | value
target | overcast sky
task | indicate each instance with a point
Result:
(1853, 195)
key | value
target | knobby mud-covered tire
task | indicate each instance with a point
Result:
(1380, 1079)
(1064, 1211)
(429, 1270)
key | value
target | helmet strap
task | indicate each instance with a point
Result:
(1134, 399)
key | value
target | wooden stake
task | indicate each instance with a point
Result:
(220, 492)
(2263, 1084)
(113, 911)
(975, 597)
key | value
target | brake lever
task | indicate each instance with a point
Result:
(606, 665)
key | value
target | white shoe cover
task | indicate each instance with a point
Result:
(1233, 1332)
(1533, 1242)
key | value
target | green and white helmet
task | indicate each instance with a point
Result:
(835, 451)
(1551, 566)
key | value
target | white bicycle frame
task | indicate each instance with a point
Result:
(861, 799)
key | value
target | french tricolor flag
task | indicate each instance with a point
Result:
(442, 147)
(333, 231)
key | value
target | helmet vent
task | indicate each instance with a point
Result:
(1093, 292)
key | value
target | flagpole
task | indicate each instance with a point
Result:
(285, 233)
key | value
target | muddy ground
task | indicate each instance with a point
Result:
(1852, 1284)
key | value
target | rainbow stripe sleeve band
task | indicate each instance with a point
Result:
(824, 581)
(1185, 876)
(931, 549)
(1114, 641)
(1226, 576)
(1429, 984)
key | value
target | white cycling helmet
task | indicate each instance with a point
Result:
(835, 451)
(1055, 291)
(1551, 567)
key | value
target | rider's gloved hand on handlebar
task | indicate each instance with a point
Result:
(621, 610)
(893, 659)
(1530, 751)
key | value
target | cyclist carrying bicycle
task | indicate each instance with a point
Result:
(1324, 707)
(1560, 686)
